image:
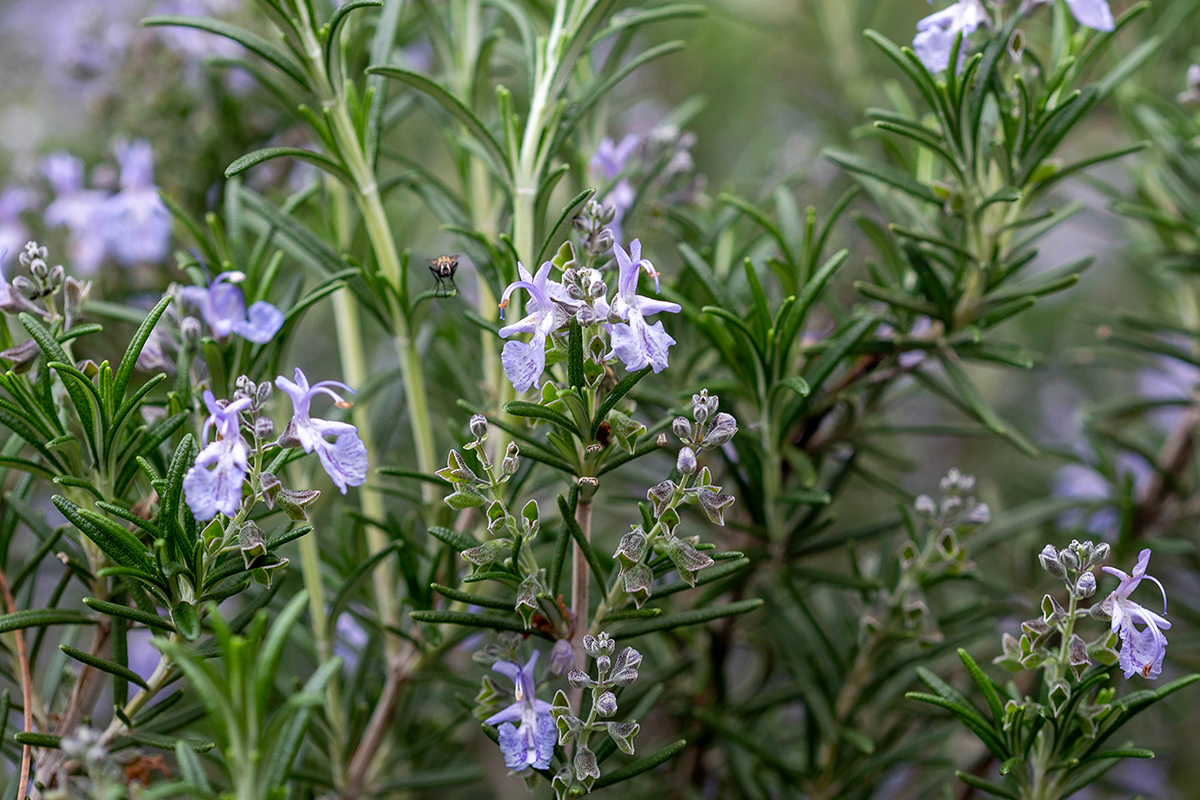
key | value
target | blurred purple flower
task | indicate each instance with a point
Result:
(1142, 651)
(223, 306)
(136, 221)
(1170, 379)
(78, 209)
(1084, 483)
(635, 342)
(345, 458)
(937, 32)
(14, 201)
(531, 744)
(610, 158)
(1192, 93)
(1093, 13)
(524, 362)
(214, 483)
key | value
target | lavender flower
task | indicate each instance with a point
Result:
(344, 458)
(1141, 651)
(636, 342)
(214, 483)
(531, 742)
(223, 306)
(77, 209)
(1093, 14)
(137, 223)
(937, 32)
(610, 158)
(524, 362)
(1192, 93)
(13, 202)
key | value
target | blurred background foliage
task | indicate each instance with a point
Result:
(764, 86)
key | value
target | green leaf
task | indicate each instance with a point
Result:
(641, 765)
(985, 686)
(987, 786)
(256, 44)
(471, 620)
(696, 616)
(492, 150)
(129, 360)
(523, 408)
(472, 598)
(859, 165)
(104, 665)
(575, 375)
(453, 538)
(568, 211)
(131, 614)
(618, 392)
(41, 617)
(249, 160)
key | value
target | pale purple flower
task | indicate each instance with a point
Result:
(524, 362)
(79, 209)
(1171, 379)
(1142, 650)
(223, 306)
(610, 158)
(621, 198)
(137, 224)
(530, 743)
(937, 32)
(1093, 14)
(1084, 483)
(214, 483)
(636, 342)
(345, 457)
(14, 201)
(1192, 93)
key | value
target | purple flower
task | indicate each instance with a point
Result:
(1141, 650)
(214, 483)
(524, 362)
(531, 742)
(137, 223)
(1093, 14)
(937, 32)
(1192, 93)
(13, 202)
(621, 198)
(610, 158)
(223, 306)
(78, 209)
(636, 342)
(344, 458)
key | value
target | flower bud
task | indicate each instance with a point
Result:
(562, 658)
(1086, 585)
(479, 426)
(720, 431)
(26, 287)
(39, 269)
(244, 387)
(586, 316)
(1100, 553)
(597, 289)
(1069, 558)
(189, 331)
(511, 463)
(686, 463)
(682, 428)
(606, 704)
(604, 241)
(55, 278)
(264, 393)
(264, 428)
(1049, 561)
(603, 663)
(575, 292)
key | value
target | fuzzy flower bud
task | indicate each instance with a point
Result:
(720, 431)
(682, 428)
(686, 463)
(1086, 585)
(189, 331)
(511, 463)
(606, 704)
(1049, 561)
(479, 426)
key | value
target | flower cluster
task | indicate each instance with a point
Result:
(45, 291)
(937, 33)
(1142, 650)
(222, 304)
(612, 673)
(638, 550)
(582, 295)
(132, 225)
(215, 483)
(656, 158)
